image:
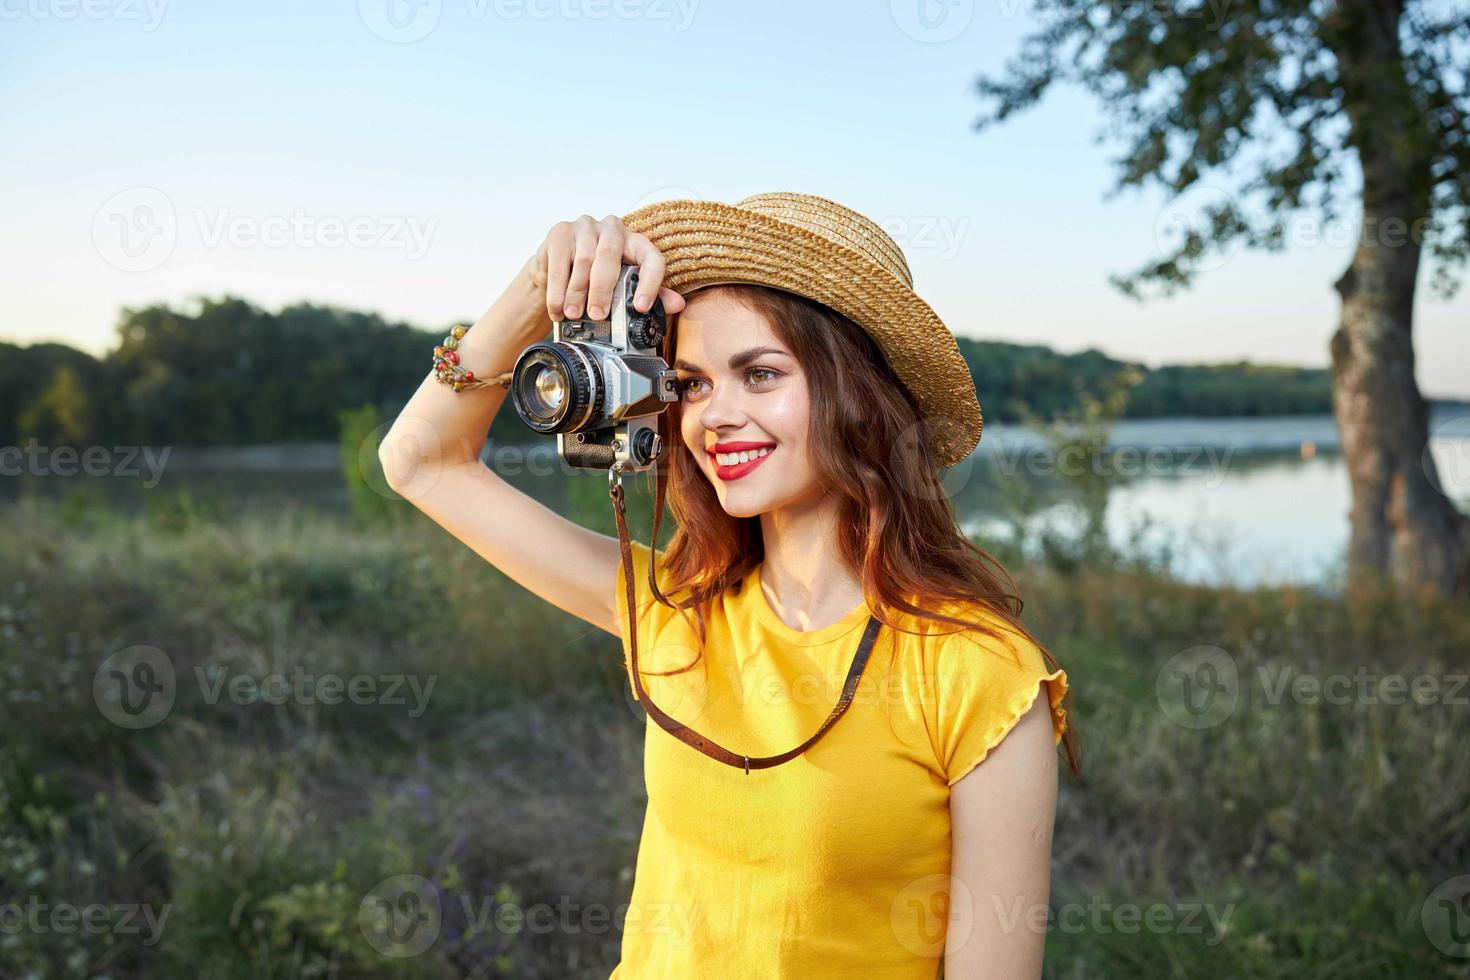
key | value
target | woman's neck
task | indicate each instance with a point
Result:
(805, 583)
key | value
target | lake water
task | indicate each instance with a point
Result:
(1239, 501)
(1245, 500)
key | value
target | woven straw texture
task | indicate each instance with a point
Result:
(819, 249)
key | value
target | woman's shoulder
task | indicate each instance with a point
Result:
(983, 628)
(977, 683)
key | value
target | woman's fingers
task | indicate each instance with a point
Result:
(584, 250)
(580, 262)
(607, 263)
(651, 268)
(650, 263)
(559, 242)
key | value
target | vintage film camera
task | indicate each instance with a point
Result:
(600, 385)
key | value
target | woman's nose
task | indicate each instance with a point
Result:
(722, 408)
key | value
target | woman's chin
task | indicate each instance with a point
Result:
(752, 501)
(756, 493)
(740, 504)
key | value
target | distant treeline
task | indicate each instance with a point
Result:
(232, 374)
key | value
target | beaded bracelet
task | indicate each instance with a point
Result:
(447, 369)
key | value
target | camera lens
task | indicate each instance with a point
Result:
(555, 387)
(551, 389)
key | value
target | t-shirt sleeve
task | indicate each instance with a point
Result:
(982, 687)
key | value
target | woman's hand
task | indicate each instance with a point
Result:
(579, 262)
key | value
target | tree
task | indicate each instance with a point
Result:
(1190, 86)
(62, 413)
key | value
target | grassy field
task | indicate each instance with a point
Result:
(222, 827)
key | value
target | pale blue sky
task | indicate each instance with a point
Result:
(159, 150)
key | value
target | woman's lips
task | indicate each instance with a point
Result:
(735, 472)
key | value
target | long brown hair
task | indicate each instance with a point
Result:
(871, 452)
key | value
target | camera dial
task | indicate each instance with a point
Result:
(600, 385)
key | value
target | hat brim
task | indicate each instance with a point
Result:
(708, 243)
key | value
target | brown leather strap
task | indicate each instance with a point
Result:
(678, 729)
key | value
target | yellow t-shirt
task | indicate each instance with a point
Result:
(835, 863)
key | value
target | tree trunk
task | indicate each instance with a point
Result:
(1403, 526)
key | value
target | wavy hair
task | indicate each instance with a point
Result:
(870, 448)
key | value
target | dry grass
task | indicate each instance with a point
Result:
(1315, 830)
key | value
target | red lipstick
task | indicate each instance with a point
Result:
(735, 472)
(737, 447)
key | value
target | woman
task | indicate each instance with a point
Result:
(817, 593)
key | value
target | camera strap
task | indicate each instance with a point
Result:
(674, 727)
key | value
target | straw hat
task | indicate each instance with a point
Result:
(819, 249)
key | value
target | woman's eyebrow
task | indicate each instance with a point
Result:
(737, 361)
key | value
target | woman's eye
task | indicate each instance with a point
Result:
(687, 384)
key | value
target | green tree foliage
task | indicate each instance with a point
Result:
(373, 502)
(1278, 110)
(33, 378)
(1189, 87)
(230, 373)
(1019, 381)
(223, 372)
(60, 414)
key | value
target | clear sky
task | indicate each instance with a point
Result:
(406, 156)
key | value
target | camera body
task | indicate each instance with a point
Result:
(600, 385)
